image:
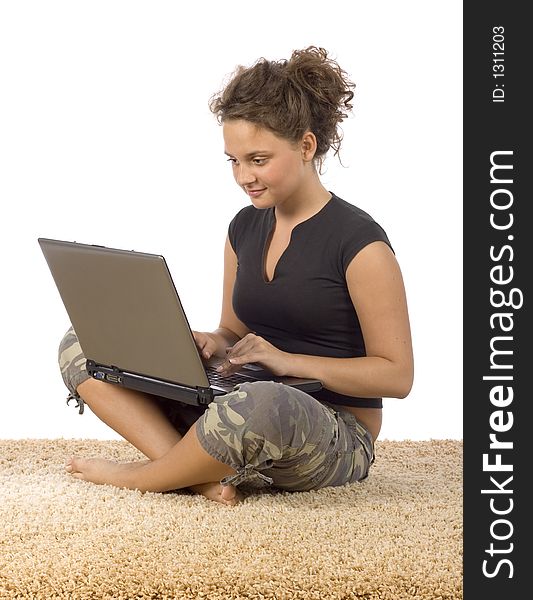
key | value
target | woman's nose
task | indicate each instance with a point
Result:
(244, 175)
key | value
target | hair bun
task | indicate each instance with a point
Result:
(309, 91)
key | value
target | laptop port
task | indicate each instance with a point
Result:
(113, 378)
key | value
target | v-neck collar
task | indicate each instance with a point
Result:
(271, 220)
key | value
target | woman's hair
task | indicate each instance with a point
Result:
(308, 92)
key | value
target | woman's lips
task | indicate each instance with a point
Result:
(255, 193)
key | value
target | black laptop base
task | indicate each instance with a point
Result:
(141, 383)
(197, 396)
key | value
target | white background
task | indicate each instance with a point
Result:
(106, 138)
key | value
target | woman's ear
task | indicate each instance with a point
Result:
(308, 146)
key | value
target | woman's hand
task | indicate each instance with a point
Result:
(254, 349)
(205, 343)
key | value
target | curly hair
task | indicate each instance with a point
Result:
(308, 92)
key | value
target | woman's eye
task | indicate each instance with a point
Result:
(255, 161)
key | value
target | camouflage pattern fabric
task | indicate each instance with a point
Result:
(273, 434)
(72, 362)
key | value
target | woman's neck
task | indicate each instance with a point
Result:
(300, 207)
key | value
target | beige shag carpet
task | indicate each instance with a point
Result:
(396, 535)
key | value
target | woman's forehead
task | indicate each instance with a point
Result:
(248, 137)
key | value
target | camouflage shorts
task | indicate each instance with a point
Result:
(274, 434)
(72, 365)
(270, 433)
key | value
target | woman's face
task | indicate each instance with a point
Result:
(270, 169)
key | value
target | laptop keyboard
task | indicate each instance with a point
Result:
(229, 381)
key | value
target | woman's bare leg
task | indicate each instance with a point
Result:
(185, 464)
(133, 415)
(140, 420)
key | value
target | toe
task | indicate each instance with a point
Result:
(228, 492)
(74, 465)
(230, 495)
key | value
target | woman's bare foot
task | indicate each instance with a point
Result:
(225, 494)
(101, 471)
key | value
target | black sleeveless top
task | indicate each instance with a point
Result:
(306, 308)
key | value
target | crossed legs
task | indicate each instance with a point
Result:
(174, 462)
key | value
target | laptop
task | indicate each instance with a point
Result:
(132, 328)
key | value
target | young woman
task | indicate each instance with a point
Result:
(312, 288)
